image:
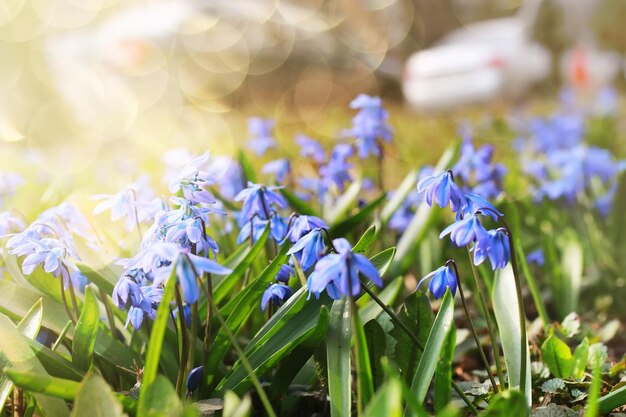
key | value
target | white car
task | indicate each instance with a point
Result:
(477, 63)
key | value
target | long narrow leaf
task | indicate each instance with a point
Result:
(505, 307)
(155, 345)
(364, 378)
(338, 359)
(443, 374)
(85, 332)
(432, 350)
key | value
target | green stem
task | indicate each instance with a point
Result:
(193, 337)
(64, 300)
(59, 340)
(109, 313)
(359, 388)
(479, 345)
(73, 298)
(415, 341)
(482, 298)
(520, 302)
(184, 342)
(244, 361)
(534, 290)
(207, 324)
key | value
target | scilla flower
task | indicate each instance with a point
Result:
(338, 273)
(276, 294)
(440, 280)
(279, 167)
(465, 231)
(301, 225)
(260, 131)
(194, 379)
(286, 271)
(442, 190)
(496, 247)
(369, 125)
(259, 200)
(308, 249)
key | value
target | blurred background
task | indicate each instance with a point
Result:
(94, 91)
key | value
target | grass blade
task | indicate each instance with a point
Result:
(85, 332)
(428, 362)
(338, 359)
(443, 373)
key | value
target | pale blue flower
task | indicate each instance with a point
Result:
(275, 294)
(440, 280)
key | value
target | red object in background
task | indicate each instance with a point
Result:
(579, 72)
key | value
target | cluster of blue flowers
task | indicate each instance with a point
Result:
(176, 245)
(562, 166)
(476, 169)
(49, 242)
(468, 229)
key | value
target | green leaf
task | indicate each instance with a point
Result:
(31, 323)
(155, 345)
(382, 260)
(443, 373)
(239, 309)
(161, 400)
(366, 241)
(612, 400)
(594, 392)
(297, 204)
(85, 332)
(509, 403)
(417, 315)
(44, 384)
(579, 359)
(376, 345)
(54, 363)
(95, 398)
(387, 401)
(336, 213)
(58, 387)
(29, 326)
(505, 308)
(225, 287)
(104, 279)
(15, 353)
(388, 295)
(349, 224)
(246, 166)
(432, 350)
(364, 378)
(309, 324)
(557, 357)
(236, 407)
(572, 272)
(338, 359)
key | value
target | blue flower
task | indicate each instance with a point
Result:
(336, 172)
(476, 170)
(496, 247)
(280, 168)
(465, 231)
(126, 289)
(440, 280)
(286, 271)
(535, 257)
(193, 179)
(301, 225)
(10, 223)
(477, 203)
(310, 148)
(256, 227)
(260, 201)
(260, 131)
(194, 379)
(369, 125)
(276, 294)
(338, 273)
(441, 189)
(308, 249)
